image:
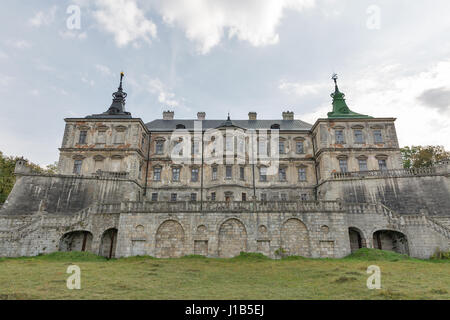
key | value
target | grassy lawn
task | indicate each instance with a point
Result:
(249, 276)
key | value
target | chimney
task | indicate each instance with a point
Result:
(168, 115)
(288, 115)
(252, 115)
(201, 115)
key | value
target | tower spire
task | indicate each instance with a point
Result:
(340, 108)
(119, 98)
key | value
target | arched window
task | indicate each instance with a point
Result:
(181, 126)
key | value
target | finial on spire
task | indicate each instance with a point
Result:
(335, 77)
(121, 78)
(229, 119)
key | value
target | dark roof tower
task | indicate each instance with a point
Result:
(117, 108)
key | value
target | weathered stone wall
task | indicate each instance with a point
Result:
(65, 194)
(405, 195)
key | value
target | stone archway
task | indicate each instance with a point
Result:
(391, 241)
(294, 238)
(169, 240)
(108, 243)
(232, 238)
(76, 241)
(357, 240)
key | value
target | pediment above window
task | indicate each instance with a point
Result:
(78, 157)
(117, 157)
(381, 156)
(342, 157)
(99, 157)
(357, 126)
(120, 128)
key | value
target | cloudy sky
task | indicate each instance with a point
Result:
(219, 56)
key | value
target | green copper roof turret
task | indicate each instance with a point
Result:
(340, 108)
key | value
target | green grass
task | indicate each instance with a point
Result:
(248, 276)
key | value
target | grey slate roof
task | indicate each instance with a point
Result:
(168, 125)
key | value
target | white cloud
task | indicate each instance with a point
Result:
(87, 81)
(165, 97)
(5, 80)
(3, 55)
(125, 20)
(19, 44)
(104, 70)
(206, 21)
(43, 18)
(302, 89)
(34, 92)
(70, 34)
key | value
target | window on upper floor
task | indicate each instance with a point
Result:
(228, 172)
(284, 197)
(263, 174)
(195, 148)
(176, 174)
(173, 197)
(282, 174)
(339, 134)
(244, 196)
(242, 173)
(302, 174)
(343, 165)
(77, 166)
(213, 196)
(157, 174)
(229, 144)
(159, 147)
(281, 147)
(362, 164)
(214, 173)
(382, 164)
(83, 137)
(299, 147)
(378, 136)
(304, 197)
(194, 174)
(262, 148)
(359, 137)
(193, 197)
(154, 196)
(263, 197)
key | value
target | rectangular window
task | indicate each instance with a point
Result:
(159, 147)
(343, 165)
(173, 197)
(194, 174)
(283, 197)
(101, 137)
(176, 174)
(228, 144)
(301, 174)
(262, 148)
(157, 174)
(282, 174)
(241, 144)
(359, 138)
(195, 148)
(154, 197)
(281, 147)
(214, 173)
(77, 166)
(193, 197)
(263, 174)
(362, 164)
(382, 164)
(244, 197)
(378, 137)
(242, 173)
(304, 197)
(83, 136)
(299, 147)
(213, 196)
(228, 172)
(263, 197)
(339, 137)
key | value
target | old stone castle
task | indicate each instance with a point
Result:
(175, 187)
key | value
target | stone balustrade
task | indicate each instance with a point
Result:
(388, 173)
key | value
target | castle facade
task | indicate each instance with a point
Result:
(174, 187)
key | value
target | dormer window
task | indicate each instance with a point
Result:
(275, 126)
(180, 126)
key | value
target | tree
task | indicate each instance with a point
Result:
(7, 178)
(423, 156)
